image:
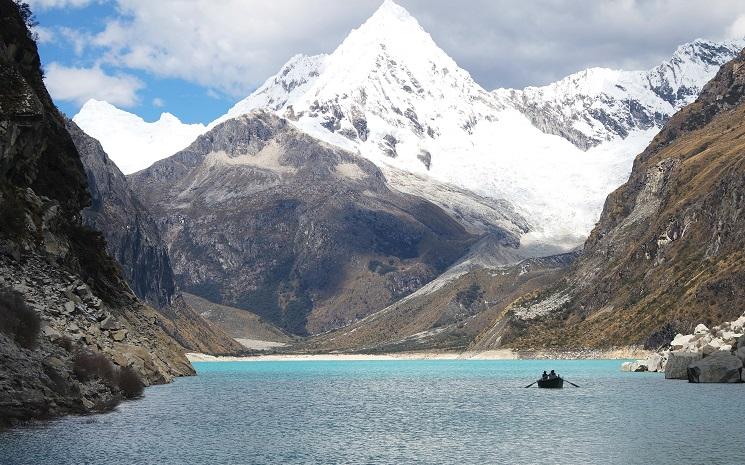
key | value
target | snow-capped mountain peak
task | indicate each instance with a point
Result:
(131, 142)
(679, 79)
(392, 29)
(389, 93)
(386, 80)
(598, 105)
(281, 90)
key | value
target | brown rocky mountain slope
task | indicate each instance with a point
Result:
(669, 250)
(260, 216)
(237, 322)
(447, 314)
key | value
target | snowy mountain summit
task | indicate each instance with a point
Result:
(598, 104)
(538, 161)
(388, 90)
(131, 142)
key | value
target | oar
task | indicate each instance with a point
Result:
(531, 384)
(570, 382)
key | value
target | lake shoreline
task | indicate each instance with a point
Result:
(501, 354)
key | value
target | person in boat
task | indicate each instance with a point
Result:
(544, 376)
(552, 375)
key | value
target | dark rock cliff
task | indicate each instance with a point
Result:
(259, 215)
(132, 237)
(60, 290)
(669, 249)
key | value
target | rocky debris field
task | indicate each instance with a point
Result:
(713, 355)
(45, 380)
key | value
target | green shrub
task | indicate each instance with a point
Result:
(129, 383)
(17, 320)
(89, 365)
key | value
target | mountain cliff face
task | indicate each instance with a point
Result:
(259, 215)
(668, 250)
(133, 240)
(132, 236)
(61, 295)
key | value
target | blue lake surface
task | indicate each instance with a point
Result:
(401, 412)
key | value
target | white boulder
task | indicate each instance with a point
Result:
(729, 336)
(654, 363)
(681, 341)
(739, 324)
(636, 366)
(701, 329)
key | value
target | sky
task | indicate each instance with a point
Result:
(196, 58)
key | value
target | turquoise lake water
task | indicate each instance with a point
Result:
(401, 412)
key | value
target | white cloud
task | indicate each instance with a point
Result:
(44, 35)
(80, 84)
(50, 4)
(158, 102)
(231, 46)
(737, 29)
(77, 38)
(228, 45)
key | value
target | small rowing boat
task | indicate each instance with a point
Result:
(551, 383)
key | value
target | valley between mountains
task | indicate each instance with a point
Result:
(372, 200)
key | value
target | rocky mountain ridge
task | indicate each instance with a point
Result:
(261, 216)
(449, 313)
(133, 240)
(132, 237)
(598, 105)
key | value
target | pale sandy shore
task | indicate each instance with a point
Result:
(258, 344)
(503, 354)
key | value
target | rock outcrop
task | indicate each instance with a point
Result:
(708, 355)
(668, 249)
(678, 362)
(261, 216)
(719, 367)
(82, 327)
